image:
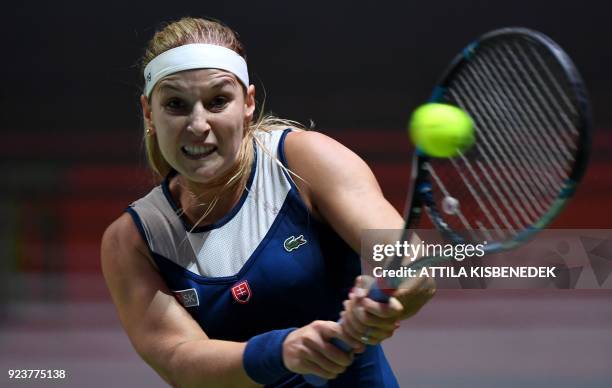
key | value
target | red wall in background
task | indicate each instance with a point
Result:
(61, 193)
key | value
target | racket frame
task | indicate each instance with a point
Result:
(420, 195)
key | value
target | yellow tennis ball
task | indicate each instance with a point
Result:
(441, 130)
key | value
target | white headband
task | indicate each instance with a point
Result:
(194, 56)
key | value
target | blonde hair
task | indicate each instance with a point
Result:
(198, 30)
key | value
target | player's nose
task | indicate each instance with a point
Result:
(198, 120)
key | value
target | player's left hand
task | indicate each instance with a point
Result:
(371, 322)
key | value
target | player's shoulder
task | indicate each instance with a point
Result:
(316, 153)
(121, 241)
(312, 148)
(303, 140)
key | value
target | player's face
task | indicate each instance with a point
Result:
(199, 118)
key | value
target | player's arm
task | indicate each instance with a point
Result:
(171, 342)
(340, 188)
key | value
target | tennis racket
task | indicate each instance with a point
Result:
(532, 122)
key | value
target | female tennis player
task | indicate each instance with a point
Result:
(233, 271)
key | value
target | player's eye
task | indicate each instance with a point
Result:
(218, 103)
(175, 104)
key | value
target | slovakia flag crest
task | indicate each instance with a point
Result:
(241, 292)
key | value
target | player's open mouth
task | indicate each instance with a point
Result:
(198, 152)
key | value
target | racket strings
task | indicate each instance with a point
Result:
(560, 91)
(526, 124)
(498, 157)
(502, 153)
(523, 123)
(532, 91)
(501, 215)
(551, 82)
(509, 120)
(503, 161)
(526, 81)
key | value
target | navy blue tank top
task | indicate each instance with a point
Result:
(266, 265)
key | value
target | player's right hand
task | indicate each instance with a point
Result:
(308, 350)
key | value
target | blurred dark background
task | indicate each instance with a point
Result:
(73, 66)
(72, 156)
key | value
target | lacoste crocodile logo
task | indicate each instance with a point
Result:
(293, 243)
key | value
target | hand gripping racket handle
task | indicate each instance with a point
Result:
(377, 294)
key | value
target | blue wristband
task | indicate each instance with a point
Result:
(263, 356)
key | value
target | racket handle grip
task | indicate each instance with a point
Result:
(375, 294)
(317, 381)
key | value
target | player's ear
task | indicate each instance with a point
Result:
(146, 112)
(249, 104)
